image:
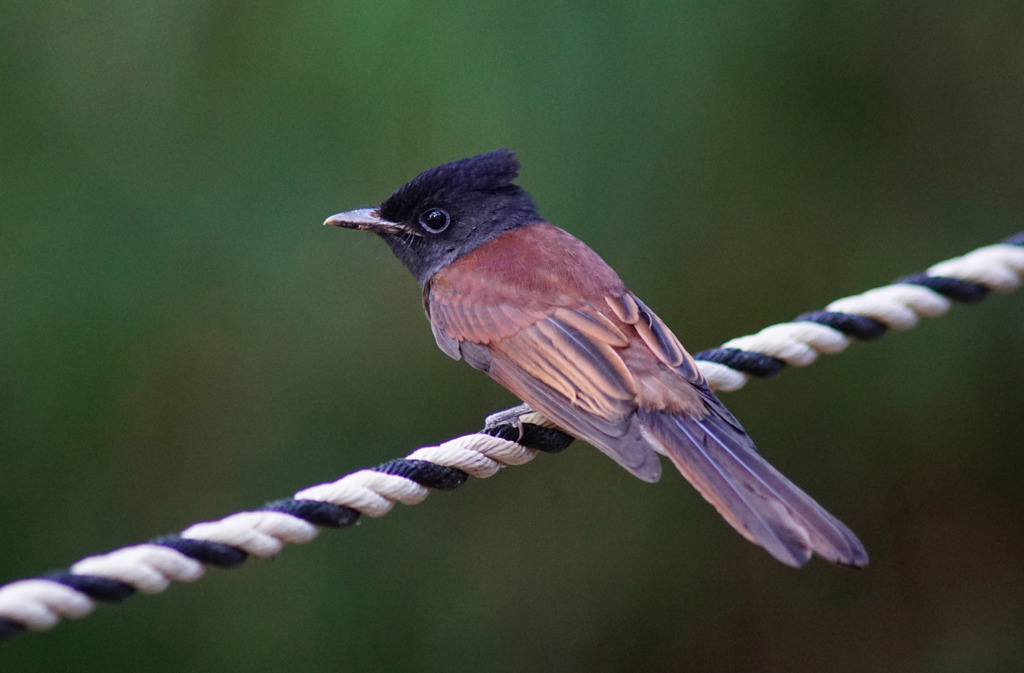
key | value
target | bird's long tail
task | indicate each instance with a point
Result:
(716, 456)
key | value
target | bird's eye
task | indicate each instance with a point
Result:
(435, 220)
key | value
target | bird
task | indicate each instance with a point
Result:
(543, 315)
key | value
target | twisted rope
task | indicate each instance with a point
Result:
(866, 316)
(149, 568)
(39, 603)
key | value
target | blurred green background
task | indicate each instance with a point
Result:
(181, 339)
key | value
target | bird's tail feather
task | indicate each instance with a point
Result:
(717, 457)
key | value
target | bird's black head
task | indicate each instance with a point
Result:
(445, 212)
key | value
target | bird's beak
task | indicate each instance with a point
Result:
(364, 219)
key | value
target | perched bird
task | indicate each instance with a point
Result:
(544, 316)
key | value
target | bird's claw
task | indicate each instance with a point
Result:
(512, 417)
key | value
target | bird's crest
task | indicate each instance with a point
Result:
(487, 173)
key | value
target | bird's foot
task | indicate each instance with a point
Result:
(512, 417)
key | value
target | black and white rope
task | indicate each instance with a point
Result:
(865, 316)
(39, 603)
(149, 568)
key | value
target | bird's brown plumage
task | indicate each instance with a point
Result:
(543, 315)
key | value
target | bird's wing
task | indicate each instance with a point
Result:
(566, 364)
